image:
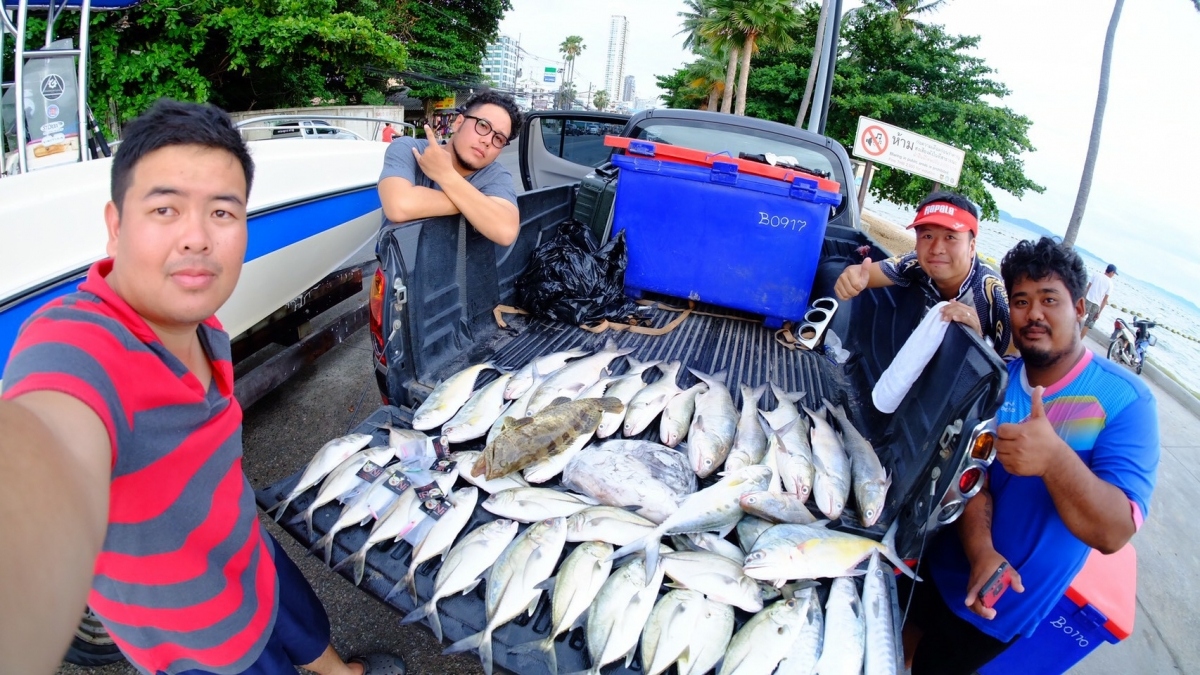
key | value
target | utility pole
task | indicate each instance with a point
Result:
(587, 102)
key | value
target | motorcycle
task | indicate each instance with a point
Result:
(1129, 346)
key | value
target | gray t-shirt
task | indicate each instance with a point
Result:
(492, 180)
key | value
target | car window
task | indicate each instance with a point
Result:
(582, 142)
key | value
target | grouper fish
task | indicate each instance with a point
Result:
(554, 430)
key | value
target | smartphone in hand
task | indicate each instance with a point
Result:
(996, 585)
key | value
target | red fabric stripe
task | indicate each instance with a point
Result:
(162, 656)
(76, 388)
(191, 559)
(153, 489)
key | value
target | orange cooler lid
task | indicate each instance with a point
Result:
(1109, 583)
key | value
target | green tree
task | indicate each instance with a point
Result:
(761, 23)
(570, 48)
(902, 12)
(600, 100)
(565, 98)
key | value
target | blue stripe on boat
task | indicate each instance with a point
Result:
(268, 233)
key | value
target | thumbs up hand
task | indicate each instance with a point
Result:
(1032, 447)
(854, 280)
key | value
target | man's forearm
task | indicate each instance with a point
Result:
(402, 203)
(975, 526)
(1094, 510)
(495, 219)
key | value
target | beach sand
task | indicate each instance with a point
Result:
(892, 237)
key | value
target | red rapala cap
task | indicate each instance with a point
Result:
(947, 215)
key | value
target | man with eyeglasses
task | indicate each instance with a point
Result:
(423, 179)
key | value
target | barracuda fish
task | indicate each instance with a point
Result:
(709, 640)
(624, 389)
(811, 552)
(574, 377)
(669, 629)
(619, 613)
(880, 626)
(844, 631)
(467, 461)
(442, 535)
(870, 480)
(527, 505)
(650, 401)
(802, 658)
(677, 416)
(764, 640)
(749, 528)
(715, 508)
(479, 412)
(517, 410)
(578, 582)
(513, 583)
(831, 467)
(343, 480)
(526, 441)
(463, 566)
(750, 444)
(525, 379)
(327, 459)
(715, 576)
(785, 407)
(628, 473)
(791, 455)
(713, 427)
(447, 398)
(609, 524)
(777, 507)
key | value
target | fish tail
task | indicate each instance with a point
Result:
(410, 578)
(893, 556)
(428, 609)
(360, 566)
(280, 507)
(328, 545)
(544, 647)
(321, 544)
(480, 642)
(308, 514)
(756, 393)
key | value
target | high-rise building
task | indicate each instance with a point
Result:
(614, 71)
(628, 90)
(500, 63)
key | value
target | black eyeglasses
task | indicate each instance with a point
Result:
(484, 128)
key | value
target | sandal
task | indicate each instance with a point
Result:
(380, 664)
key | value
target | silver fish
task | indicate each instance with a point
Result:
(785, 407)
(802, 658)
(439, 539)
(777, 507)
(717, 577)
(468, 459)
(619, 613)
(579, 580)
(373, 502)
(650, 401)
(344, 479)
(677, 416)
(713, 426)
(512, 586)
(831, 465)
(531, 504)
(715, 508)
(811, 552)
(574, 377)
(549, 467)
(517, 410)
(844, 631)
(401, 439)
(791, 455)
(447, 398)
(327, 459)
(597, 390)
(610, 524)
(764, 640)
(709, 640)
(749, 528)
(880, 626)
(713, 543)
(622, 473)
(669, 629)
(464, 564)
(625, 388)
(871, 481)
(750, 444)
(479, 412)
(524, 379)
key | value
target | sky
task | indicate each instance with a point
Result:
(1145, 195)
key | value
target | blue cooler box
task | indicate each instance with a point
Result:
(717, 236)
(1098, 607)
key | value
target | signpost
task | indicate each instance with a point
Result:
(550, 75)
(881, 143)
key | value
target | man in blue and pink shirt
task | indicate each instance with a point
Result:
(1077, 457)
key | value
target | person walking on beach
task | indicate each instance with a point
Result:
(121, 440)
(944, 267)
(1099, 287)
(1076, 462)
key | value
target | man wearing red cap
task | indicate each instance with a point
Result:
(945, 268)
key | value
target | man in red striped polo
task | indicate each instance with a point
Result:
(121, 478)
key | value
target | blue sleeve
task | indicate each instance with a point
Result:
(899, 268)
(399, 162)
(1126, 451)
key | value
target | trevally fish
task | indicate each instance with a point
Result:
(597, 390)
(517, 410)
(748, 530)
(812, 552)
(708, 641)
(524, 379)
(791, 455)
(844, 631)
(870, 480)
(464, 564)
(344, 479)
(575, 376)
(764, 640)
(447, 398)
(677, 416)
(717, 577)
(327, 459)
(524, 442)
(616, 618)
(624, 389)
(750, 443)
(442, 535)
(467, 461)
(802, 658)
(831, 467)
(650, 401)
(609, 524)
(777, 507)
(531, 504)
(710, 542)
(714, 425)
(373, 501)
(477, 414)
(669, 629)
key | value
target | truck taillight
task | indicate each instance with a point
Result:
(970, 481)
(375, 306)
(983, 448)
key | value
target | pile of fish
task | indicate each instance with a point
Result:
(635, 542)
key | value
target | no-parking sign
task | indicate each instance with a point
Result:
(902, 149)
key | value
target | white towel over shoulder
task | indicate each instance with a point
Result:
(910, 361)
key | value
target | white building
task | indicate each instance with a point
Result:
(614, 71)
(500, 64)
(629, 89)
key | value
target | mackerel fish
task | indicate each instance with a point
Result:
(447, 398)
(525, 379)
(750, 444)
(574, 377)
(831, 467)
(327, 459)
(764, 640)
(650, 401)
(713, 426)
(479, 412)
(870, 480)
(844, 631)
(526, 441)
(677, 416)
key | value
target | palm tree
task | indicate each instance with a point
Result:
(708, 23)
(761, 23)
(570, 48)
(706, 75)
(566, 96)
(816, 61)
(903, 10)
(600, 99)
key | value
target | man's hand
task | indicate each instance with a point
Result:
(1032, 447)
(435, 162)
(962, 313)
(853, 280)
(982, 569)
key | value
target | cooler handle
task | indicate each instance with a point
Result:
(723, 172)
(803, 188)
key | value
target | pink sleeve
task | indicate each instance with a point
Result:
(1137, 515)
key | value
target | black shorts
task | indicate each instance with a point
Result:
(949, 645)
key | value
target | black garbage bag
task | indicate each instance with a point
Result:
(574, 280)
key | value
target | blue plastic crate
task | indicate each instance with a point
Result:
(717, 236)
